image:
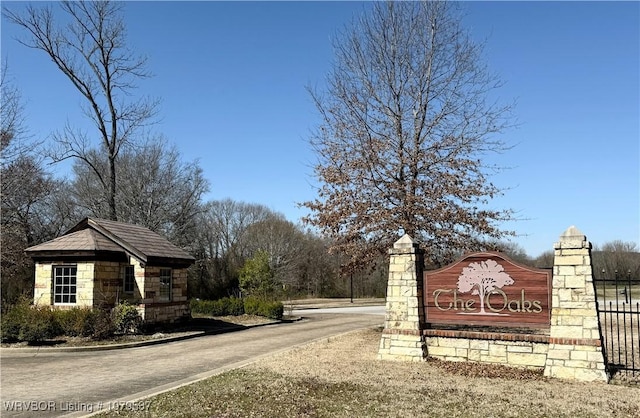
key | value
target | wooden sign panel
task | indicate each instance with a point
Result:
(488, 289)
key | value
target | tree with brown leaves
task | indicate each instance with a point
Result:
(407, 120)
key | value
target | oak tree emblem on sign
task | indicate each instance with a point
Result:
(483, 278)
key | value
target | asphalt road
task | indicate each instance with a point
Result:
(76, 384)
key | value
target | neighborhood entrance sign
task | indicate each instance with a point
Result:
(488, 289)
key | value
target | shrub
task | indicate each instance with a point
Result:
(256, 276)
(38, 324)
(273, 310)
(13, 319)
(252, 306)
(261, 307)
(236, 306)
(76, 322)
(126, 319)
(201, 306)
(220, 307)
(101, 324)
(25, 322)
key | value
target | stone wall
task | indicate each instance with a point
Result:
(164, 312)
(152, 309)
(152, 285)
(100, 284)
(529, 352)
(42, 292)
(108, 284)
(571, 349)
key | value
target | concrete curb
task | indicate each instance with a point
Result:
(7, 352)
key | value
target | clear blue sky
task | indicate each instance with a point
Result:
(232, 77)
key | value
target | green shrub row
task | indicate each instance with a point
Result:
(25, 322)
(236, 306)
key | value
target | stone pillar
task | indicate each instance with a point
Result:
(402, 337)
(575, 344)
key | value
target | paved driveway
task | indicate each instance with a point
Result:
(74, 384)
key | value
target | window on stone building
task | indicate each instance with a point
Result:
(129, 279)
(165, 284)
(64, 284)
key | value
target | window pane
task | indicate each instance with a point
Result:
(129, 279)
(165, 284)
(64, 289)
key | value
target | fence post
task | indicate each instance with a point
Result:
(575, 344)
(402, 337)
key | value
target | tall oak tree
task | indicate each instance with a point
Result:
(408, 117)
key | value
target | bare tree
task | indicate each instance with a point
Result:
(156, 189)
(91, 51)
(34, 208)
(513, 250)
(544, 260)
(407, 120)
(617, 259)
(222, 245)
(283, 243)
(33, 205)
(11, 118)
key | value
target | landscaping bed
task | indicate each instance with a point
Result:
(198, 325)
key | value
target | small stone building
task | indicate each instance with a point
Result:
(99, 263)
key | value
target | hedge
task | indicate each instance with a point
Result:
(25, 322)
(236, 306)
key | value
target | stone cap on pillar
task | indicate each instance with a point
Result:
(572, 238)
(404, 245)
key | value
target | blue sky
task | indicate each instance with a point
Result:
(232, 77)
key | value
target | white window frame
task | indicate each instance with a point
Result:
(166, 281)
(128, 279)
(64, 283)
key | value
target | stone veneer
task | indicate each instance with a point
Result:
(574, 315)
(85, 293)
(571, 349)
(100, 284)
(402, 338)
(527, 351)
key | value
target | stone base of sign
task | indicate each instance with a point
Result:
(570, 349)
(402, 346)
(523, 354)
(576, 362)
(570, 358)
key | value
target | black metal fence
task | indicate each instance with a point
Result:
(618, 297)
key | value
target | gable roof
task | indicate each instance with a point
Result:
(94, 236)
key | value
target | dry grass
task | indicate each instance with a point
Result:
(342, 378)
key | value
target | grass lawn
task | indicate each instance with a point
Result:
(342, 378)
